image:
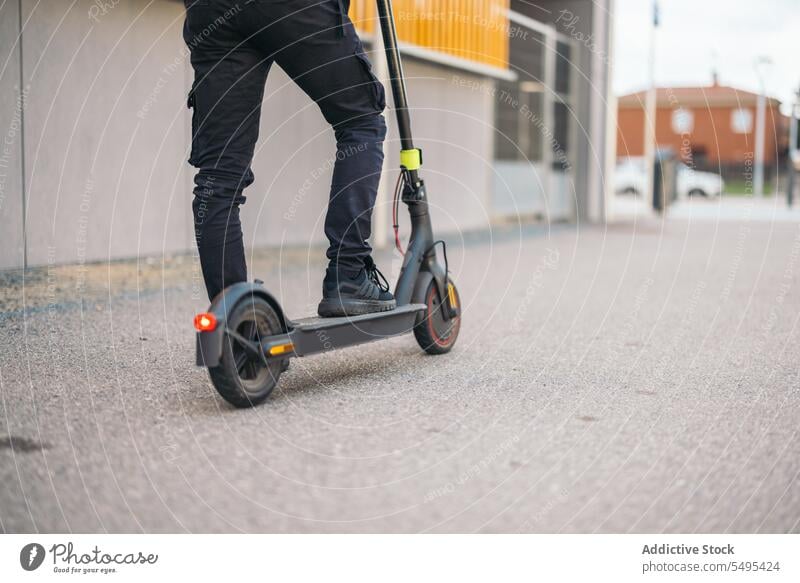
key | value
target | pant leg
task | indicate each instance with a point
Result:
(317, 46)
(226, 97)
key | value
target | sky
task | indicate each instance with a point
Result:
(696, 35)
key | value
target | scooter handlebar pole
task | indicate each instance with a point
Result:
(389, 33)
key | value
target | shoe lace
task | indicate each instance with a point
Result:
(374, 274)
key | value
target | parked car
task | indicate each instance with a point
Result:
(630, 178)
(693, 182)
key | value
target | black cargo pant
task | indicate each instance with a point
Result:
(233, 44)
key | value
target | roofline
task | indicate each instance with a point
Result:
(704, 97)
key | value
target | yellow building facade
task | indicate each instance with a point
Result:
(475, 30)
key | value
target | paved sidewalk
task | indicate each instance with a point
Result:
(642, 377)
(772, 209)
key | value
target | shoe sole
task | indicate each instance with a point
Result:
(337, 308)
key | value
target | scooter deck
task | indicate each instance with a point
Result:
(314, 335)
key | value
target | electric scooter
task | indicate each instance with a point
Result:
(245, 339)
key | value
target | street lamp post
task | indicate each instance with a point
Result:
(794, 150)
(761, 114)
(650, 112)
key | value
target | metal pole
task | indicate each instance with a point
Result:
(650, 114)
(794, 150)
(761, 115)
(548, 107)
(758, 170)
(397, 79)
(383, 201)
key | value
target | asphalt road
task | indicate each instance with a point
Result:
(638, 378)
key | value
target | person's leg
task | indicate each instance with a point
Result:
(226, 97)
(317, 46)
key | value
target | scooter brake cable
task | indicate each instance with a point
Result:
(395, 218)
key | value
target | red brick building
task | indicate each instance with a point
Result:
(710, 127)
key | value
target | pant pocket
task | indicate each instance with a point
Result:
(378, 92)
(191, 103)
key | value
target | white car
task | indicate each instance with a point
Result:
(698, 183)
(630, 178)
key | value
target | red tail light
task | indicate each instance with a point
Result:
(205, 322)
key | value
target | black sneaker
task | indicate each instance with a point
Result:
(346, 295)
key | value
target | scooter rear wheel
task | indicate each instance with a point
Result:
(433, 332)
(242, 378)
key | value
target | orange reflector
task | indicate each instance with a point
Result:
(451, 294)
(281, 349)
(205, 322)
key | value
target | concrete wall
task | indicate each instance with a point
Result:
(107, 133)
(287, 203)
(455, 129)
(11, 233)
(105, 130)
(588, 23)
(591, 26)
(106, 137)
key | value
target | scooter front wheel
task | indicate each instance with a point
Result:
(243, 378)
(435, 333)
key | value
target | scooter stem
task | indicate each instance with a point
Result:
(389, 33)
(420, 255)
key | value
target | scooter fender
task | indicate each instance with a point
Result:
(421, 286)
(432, 271)
(209, 344)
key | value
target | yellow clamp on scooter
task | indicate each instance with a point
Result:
(411, 159)
(451, 295)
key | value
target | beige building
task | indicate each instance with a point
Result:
(508, 99)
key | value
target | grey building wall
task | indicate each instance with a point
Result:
(11, 234)
(589, 23)
(105, 130)
(286, 204)
(454, 128)
(106, 138)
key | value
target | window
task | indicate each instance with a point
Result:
(507, 122)
(563, 67)
(796, 123)
(682, 121)
(560, 142)
(526, 52)
(533, 120)
(742, 121)
(519, 106)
